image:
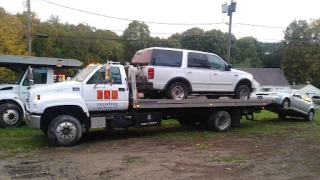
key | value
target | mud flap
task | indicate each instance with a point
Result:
(235, 117)
(2, 107)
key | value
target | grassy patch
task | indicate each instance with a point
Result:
(131, 159)
(24, 139)
(20, 140)
(268, 123)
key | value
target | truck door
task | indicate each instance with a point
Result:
(103, 97)
(40, 78)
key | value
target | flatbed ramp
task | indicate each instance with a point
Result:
(194, 103)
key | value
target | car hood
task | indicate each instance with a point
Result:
(240, 72)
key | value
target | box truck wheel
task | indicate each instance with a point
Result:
(65, 130)
(11, 115)
(219, 121)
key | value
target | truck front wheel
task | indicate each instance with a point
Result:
(11, 115)
(65, 130)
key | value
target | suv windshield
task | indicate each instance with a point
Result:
(84, 74)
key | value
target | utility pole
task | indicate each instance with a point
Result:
(29, 28)
(230, 9)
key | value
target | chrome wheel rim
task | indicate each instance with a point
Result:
(10, 116)
(222, 122)
(310, 115)
(66, 131)
(177, 92)
(243, 94)
(285, 104)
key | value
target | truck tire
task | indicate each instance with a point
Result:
(219, 121)
(11, 115)
(242, 92)
(65, 130)
(177, 90)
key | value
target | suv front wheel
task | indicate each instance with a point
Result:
(177, 90)
(242, 92)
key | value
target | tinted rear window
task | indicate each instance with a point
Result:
(167, 58)
(142, 58)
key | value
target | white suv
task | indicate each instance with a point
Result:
(176, 73)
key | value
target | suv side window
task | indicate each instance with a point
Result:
(167, 58)
(197, 60)
(39, 77)
(115, 75)
(216, 63)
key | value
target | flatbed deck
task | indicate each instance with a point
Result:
(192, 103)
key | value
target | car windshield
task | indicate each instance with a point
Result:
(84, 74)
(289, 91)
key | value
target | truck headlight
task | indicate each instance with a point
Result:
(37, 97)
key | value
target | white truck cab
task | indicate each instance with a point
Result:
(13, 96)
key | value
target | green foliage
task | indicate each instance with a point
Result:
(301, 52)
(136, 36)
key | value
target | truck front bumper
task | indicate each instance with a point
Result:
(33, 121)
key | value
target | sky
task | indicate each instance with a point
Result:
(272, 13)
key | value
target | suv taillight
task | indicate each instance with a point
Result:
(150, 73)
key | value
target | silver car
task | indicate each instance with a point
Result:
(291, 102)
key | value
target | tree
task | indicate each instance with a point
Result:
(12, 32)
(299, 58)
(135, 37)
(247, 53)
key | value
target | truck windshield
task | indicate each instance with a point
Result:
(84, 74)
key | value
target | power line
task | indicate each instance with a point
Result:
(153, 22)
(149, 40)
(246, 24)
(125, 19)
(164, 33)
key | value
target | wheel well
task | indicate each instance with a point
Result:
(4, 101)
(246, 82)
(52, 112)
(181, 79)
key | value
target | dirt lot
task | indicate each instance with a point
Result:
(232, 155)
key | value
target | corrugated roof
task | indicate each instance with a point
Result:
(267, 76)
(40, 61)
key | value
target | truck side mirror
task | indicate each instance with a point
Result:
(30, 76)
(108, 78)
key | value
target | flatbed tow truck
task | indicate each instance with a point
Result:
(100, 97)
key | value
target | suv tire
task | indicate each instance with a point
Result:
(177, 90)
(242, 92)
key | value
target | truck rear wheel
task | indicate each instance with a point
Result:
(11, 115)
(65, 130)
(219, 121)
